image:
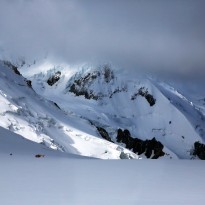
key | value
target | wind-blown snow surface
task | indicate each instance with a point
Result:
(26, 113)
(50, 181)
(119, 106)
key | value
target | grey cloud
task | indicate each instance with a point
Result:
(152, 35)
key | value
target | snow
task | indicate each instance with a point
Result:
(175, 119)
(62, 178)
(31, 126)
(165, 121)
(15, 146)
(35, 118)
(193, 111)
(52, 180)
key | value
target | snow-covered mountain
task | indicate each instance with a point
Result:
(26, 113)
(58, 115)
(99, 111)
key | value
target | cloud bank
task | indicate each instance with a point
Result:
(134, 34)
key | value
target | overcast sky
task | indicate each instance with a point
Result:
(132, 34)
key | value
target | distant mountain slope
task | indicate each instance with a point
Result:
(115, 100)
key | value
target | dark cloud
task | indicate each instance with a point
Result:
(161, 34)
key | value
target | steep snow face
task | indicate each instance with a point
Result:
(26, 113)
(189, 101)
(112, 100)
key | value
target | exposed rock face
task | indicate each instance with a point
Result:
(29, 83)
(53, 79)
(85, 85)
(106, 136)
(79, 86)
(148, 147)
(118, 90)
(144, 93)
(199, 150)
(82, 86)
(82, 92)
(108, 73)
(104, 133)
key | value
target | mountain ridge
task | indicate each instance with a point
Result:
(110, 97)
(100, 101)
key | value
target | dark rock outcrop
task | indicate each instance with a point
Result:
(82, 92)
(118, 90)
(81, 85)
(53, 79)
(104, 134)
(148, 147)
(199, 150)
(144, 93)
(29, 83)
(108, 73)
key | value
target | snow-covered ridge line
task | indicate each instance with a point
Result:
(113, 100)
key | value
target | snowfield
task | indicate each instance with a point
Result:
(102, 102)
(59, 180)
(62, 178)
(50, 144)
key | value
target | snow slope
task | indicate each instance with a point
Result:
(114, 102)
(26, 113)
(188, 101)
(15, 146)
